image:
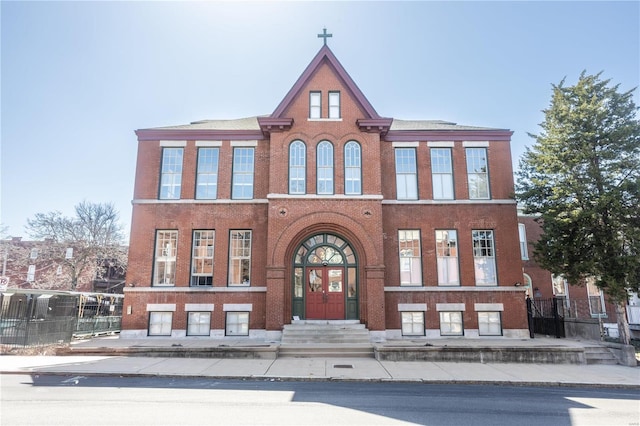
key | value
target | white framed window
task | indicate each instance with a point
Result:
(243, 161)
(202, 258)
(239, 258)
(522, 236)
(489, 324)
(199, 324)
(442, 173)
(315, 105)
(237, 324)
(207, 173)
(447, 257)
(324, 158)
(596, 299)
(297, 167)
(164, 271)
(352, 168)
(412, 323)
(171, 173)
(410, 259)
(160, 323)
(406, 174)
(484, 258)
(33, 254)
(334, 104)
(478, 173)
(451, 324)
(68, 254)
(31, 273)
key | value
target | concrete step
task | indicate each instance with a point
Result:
(325, 351)
(337, 333)
(599, 355)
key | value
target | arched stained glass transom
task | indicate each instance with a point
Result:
(333, 257)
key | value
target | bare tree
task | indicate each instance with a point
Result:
(81, 245)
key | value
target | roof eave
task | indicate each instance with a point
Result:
(448, 135)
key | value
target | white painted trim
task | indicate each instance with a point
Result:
(475, 144)
(488, 307)
(209, 143)
(324, 119)
(456, 307)
(323, 197)
(438, 202)
(200, 307)
(161, 307)
(443, 144)
(237, 307)
(173, 144)
(194, 201)
(251, 289)
(469, 289)
(405, 144)
(404, 307)
(244, 143)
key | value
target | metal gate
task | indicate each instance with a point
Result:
(546, 316)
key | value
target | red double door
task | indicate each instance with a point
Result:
(325, 293)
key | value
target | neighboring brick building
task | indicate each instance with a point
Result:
(324, 210)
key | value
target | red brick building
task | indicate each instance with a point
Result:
(324, 210)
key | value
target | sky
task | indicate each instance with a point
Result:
(78, 78)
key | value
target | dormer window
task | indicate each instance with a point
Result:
(334, 104)
(315, 105)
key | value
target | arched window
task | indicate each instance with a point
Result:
(352, 169)
(297, 167)
(324, 163)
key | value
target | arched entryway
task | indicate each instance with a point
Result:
(325, 279)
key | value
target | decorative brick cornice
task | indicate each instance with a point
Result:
(269, 124)
(189, 134)
(374, 125)
(448, 135)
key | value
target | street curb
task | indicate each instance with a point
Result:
(343, 379)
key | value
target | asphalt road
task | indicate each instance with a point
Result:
(81, 400)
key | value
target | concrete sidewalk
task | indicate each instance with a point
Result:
(317, 368)
(362, 369)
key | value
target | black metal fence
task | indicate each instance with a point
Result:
(38, 318)
(546, 316)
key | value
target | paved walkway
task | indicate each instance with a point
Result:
(364, 369)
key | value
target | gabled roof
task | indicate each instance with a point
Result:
(325, 55)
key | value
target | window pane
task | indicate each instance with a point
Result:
(314, 105)
(171, 173)
(412, 323)
(202, 258)
(207, 174)
(160, 323)
(165, 258)
(325, 168)
(447, 257)
(484, 258)
(409, 252)
(237, 324)
(477, 173)
(406, 175)
(198, 324)
(489, 324)
(334, 104)
(451, 324)
(297, 168)
(442, 173)
(352, 169)
(243, 159)
(240, 258)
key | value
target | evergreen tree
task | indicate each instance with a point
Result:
(582, 177)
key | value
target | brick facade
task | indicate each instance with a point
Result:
(363, 227)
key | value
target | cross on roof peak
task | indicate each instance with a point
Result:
(324, 35)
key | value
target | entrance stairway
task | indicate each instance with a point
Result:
(330, 339)
(599, 355)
